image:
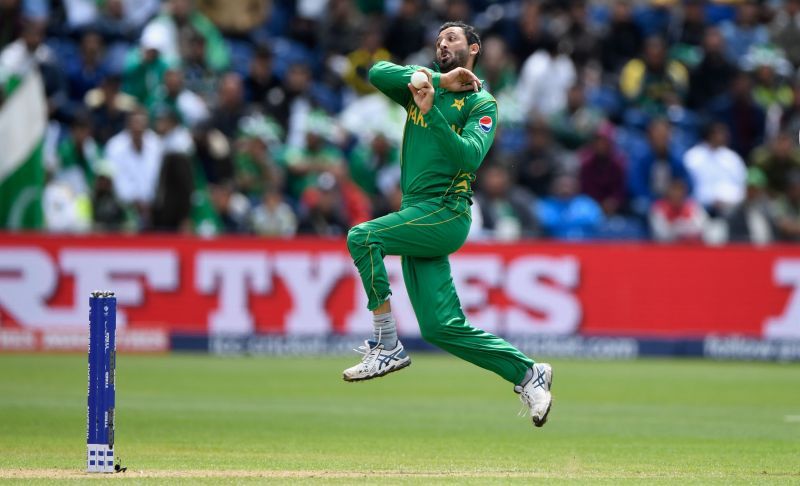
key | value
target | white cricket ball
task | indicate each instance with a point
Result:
(418, 79)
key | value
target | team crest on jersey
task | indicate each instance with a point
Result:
(486, 124)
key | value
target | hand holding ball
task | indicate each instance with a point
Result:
(418, 79)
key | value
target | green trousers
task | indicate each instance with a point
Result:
(424, 232)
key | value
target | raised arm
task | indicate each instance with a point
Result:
(391, 80)
(471, 146)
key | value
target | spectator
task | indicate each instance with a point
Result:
(231, 209)
(714, 73)
(751, 221)
(718, 173)
(198, 75)
(237, 17)
(355, 202)
(771, 89)
(90, 70)
(496, 67)
(693, 25)
(78, 156)
(746, 120)
(292, 101)
(341, 28)
(109, 108)
(541, 160)
(653, 82)
(230, 105)
(254, 168)
(175, 138)
(786, 30)
(790, 118)
(544, 80)
(108, 211)
(786, 210)
(526, 33)
(505, 210)
(623, 39)
(568, 215)
(190, 107)
(375, 166)
(370, 51)
(677, 217)
(745, 32)
(323, 213)
(260, 78)
(273, 217)
(602, 172)
(652, 169)
(134, 156)
(179, 23)
(578, 38)
(65, 211)
(10, 21)
(173, 195)
(29, 52)
(120, 16)
(212, 153)
(144, 69)
(122, 20)
(319, 156)
(405, 33)
(777, 160)
(576, 124)
(26, 52)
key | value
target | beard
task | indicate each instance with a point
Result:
(456, 59)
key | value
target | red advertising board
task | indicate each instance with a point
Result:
(309, 286)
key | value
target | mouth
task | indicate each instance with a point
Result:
(445, 56)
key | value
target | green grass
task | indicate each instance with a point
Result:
(182, 417)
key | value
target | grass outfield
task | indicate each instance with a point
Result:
(198, 419)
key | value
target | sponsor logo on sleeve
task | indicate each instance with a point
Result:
(485, 123)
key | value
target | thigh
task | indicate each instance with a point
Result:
(426, 229)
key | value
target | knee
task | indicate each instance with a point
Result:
(356, 238)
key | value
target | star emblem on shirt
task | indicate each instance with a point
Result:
(458, 104)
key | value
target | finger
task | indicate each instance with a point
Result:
(475, 86)
(412, 89)
(428, 74)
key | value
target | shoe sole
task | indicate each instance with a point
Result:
(543, 420)
(399, 367)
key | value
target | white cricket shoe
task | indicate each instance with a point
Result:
(535, 394)
(377, 361)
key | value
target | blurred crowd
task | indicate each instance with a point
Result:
(671, 120)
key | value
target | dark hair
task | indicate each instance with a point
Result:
(469, 32)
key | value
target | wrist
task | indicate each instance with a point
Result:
(436, 80)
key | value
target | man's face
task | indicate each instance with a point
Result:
(137, 124)
(452, 50)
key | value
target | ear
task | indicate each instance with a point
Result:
(474, 49)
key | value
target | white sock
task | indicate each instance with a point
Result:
(384, 330)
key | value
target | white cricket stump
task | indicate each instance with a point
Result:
(99, 458)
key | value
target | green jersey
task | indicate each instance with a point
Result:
(443, 148)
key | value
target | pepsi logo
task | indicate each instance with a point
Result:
(485, 123)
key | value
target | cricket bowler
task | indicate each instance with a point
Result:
(450, 126)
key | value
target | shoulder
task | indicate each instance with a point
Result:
(481, 100)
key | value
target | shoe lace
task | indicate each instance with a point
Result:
(369, 353)
(526, 400)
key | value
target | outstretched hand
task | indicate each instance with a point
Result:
(423, 96)
(460, 79)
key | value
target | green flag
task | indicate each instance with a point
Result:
(23, 120)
